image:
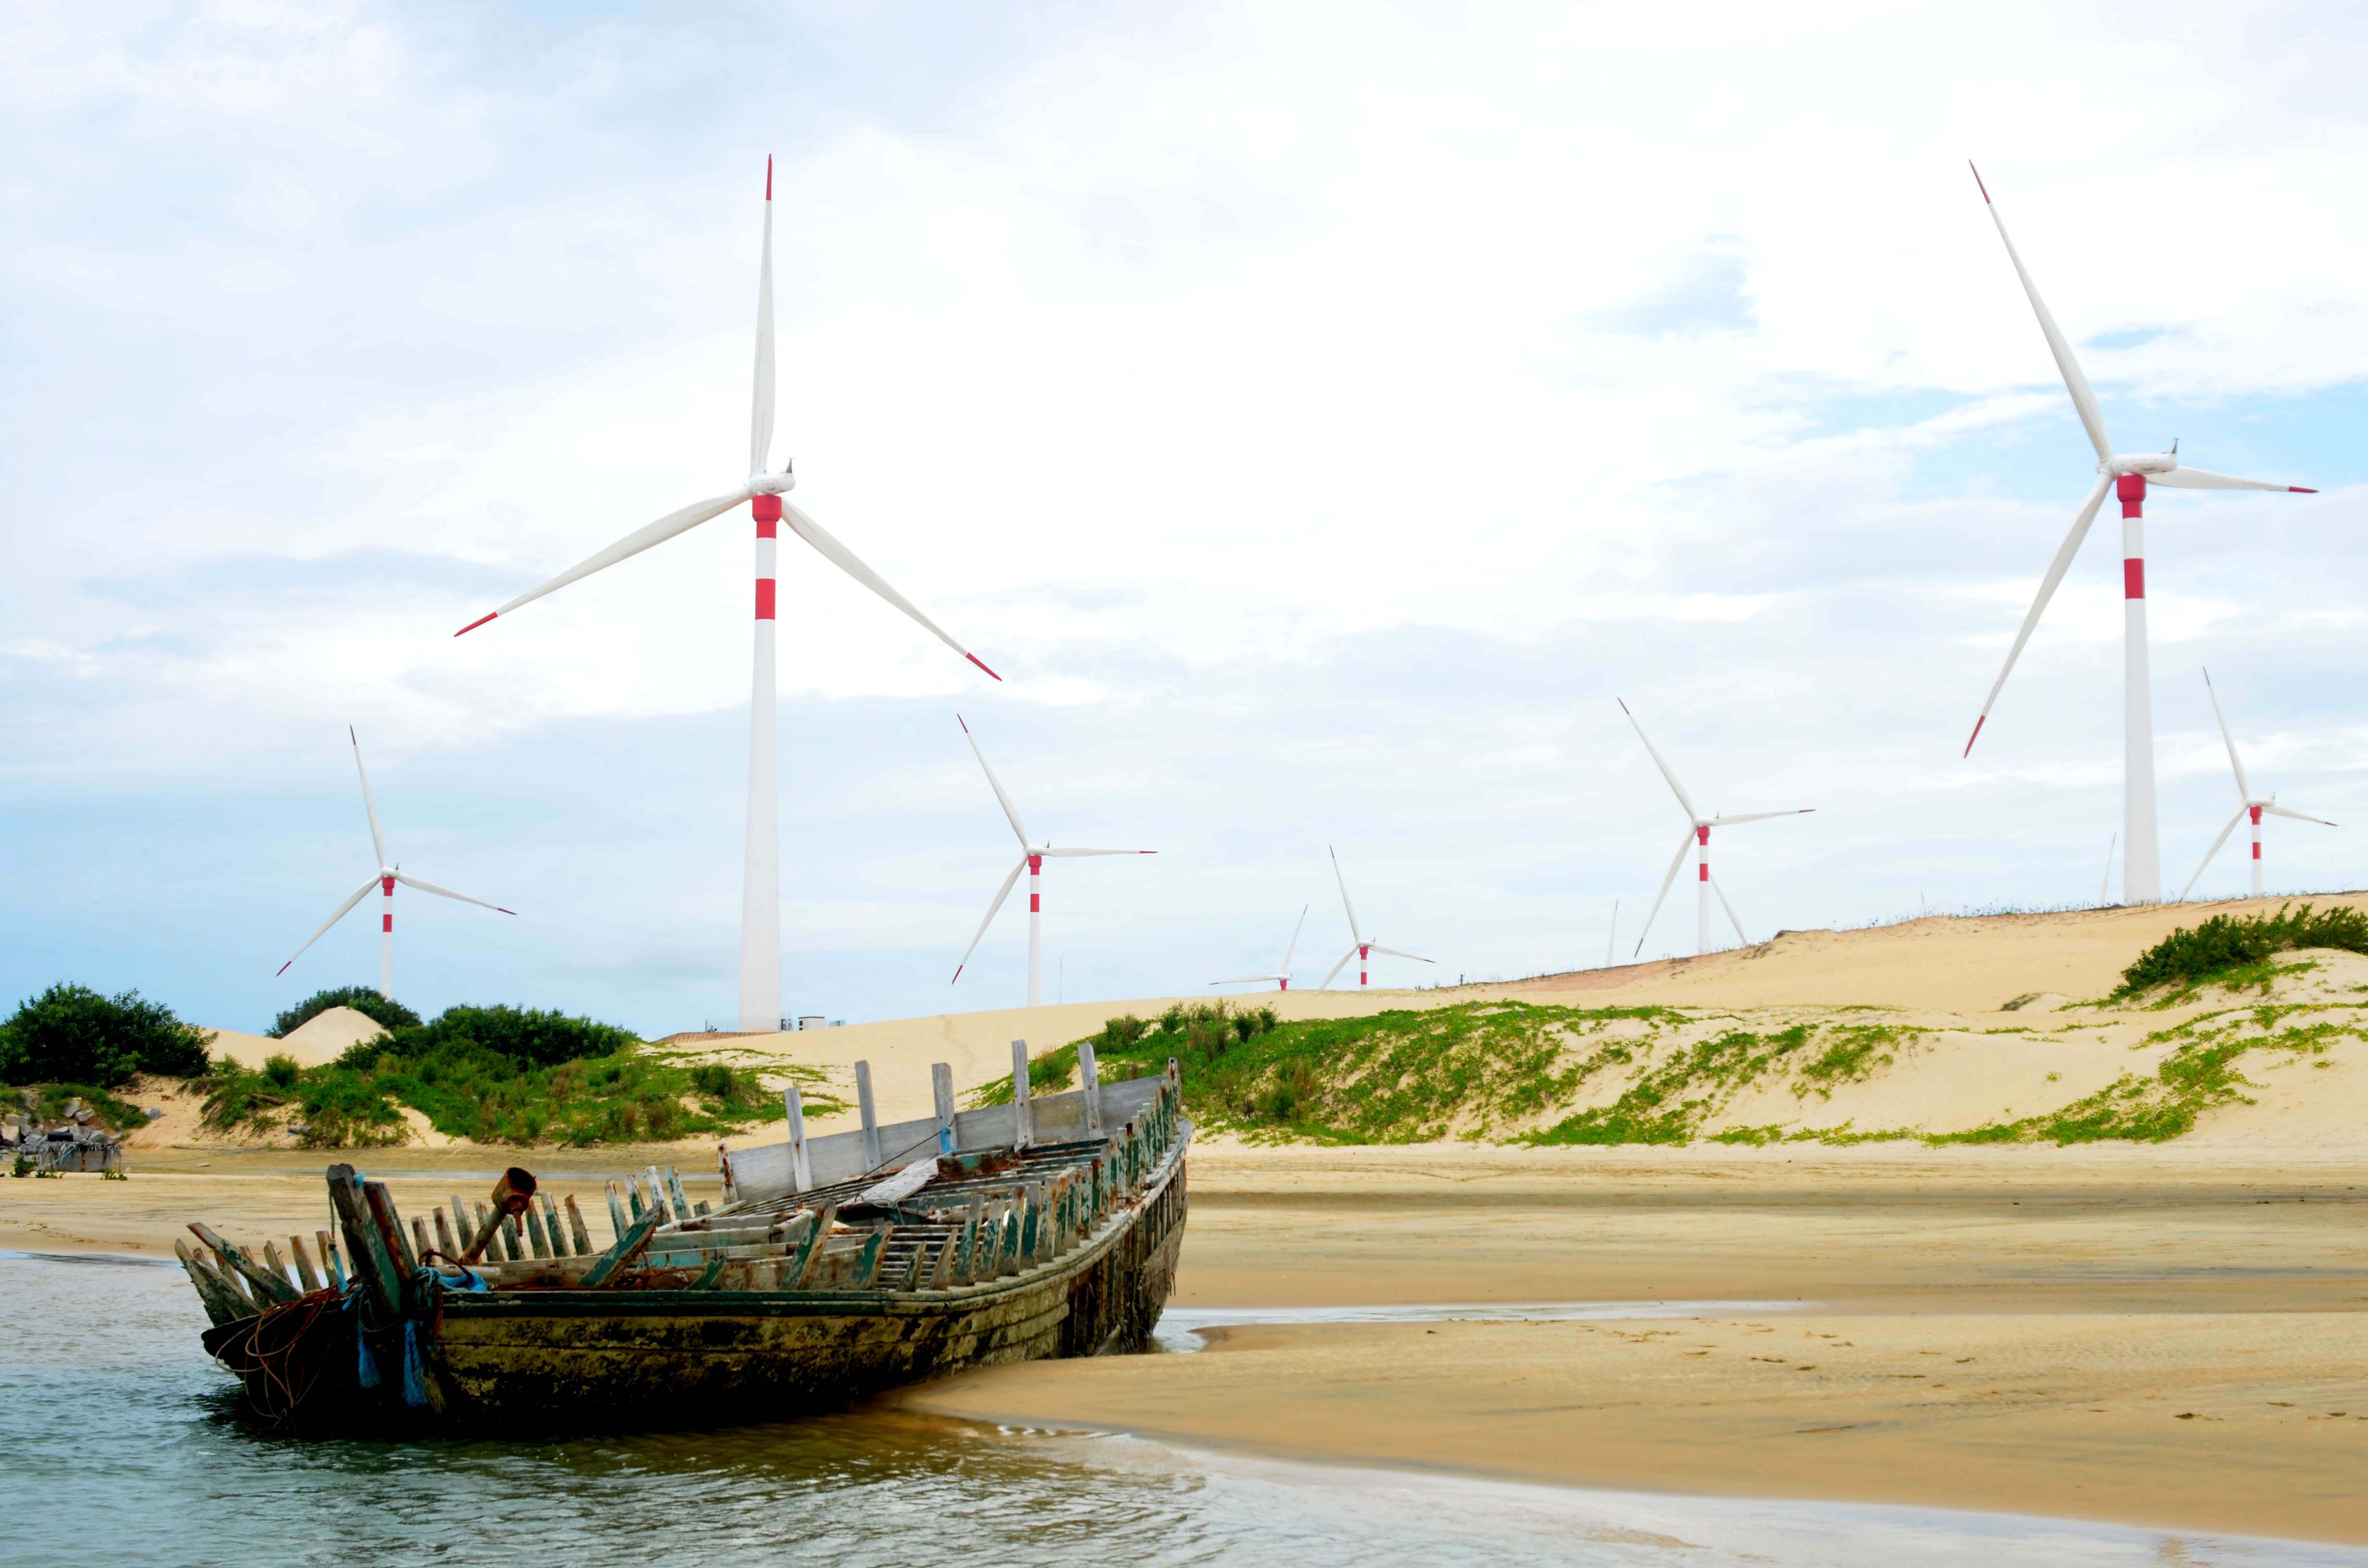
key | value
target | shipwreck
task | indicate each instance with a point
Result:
(833, 1269)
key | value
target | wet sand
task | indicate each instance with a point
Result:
(2173, 1335)
(2142, 1336)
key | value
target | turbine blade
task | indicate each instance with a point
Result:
(378, 839)
(1376, 946)
(1011, 811)
(1731, 918)
(838, 555)
(1246, 980)
(1325, 984)
(2244, 790)
(1677, 788)
(2211, 852)
(2055, 570)
(1294, 943)
(2278, 811)
(2201, 479)
(632, 544)
(2084, 402)
(1760, 816)
(411, 882)
(332, 920)
(760, 401)
(1353, 929)
(1682, 845)
(1058, 854)
(1000, 894)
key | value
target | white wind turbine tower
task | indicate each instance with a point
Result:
(1697, 829)
(1032, 860)
(384, 882)
(1363, 951)
(2249, 804)
(2127, 476)
(760, 886)
(1282, 977)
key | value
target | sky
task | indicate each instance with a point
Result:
(1319, 414)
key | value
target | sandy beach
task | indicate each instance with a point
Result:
(2167, 1334)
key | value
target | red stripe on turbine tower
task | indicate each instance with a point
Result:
(2133, 577)
(764, 598)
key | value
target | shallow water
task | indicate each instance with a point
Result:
(119, 1444)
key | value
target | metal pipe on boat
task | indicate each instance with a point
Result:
(870, 1116)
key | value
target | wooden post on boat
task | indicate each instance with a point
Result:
(683, 1212)
(375, 1267)
(576, 1228)
(419, 1245)
(810, 1251)
(618, 1221)
(1090, 1079)
(304, 1273)
(559, 1247)
(870, 1116)
(942, 1088)
(331, 1264)
(801, 1169)
(966, 1260)
(1024, 1120)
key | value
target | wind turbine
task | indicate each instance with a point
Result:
(1032, 860)
(1697, 829)
(1363, 951)
(2249, 804)
(2127, 476)
(760, 885)
(384, 882)
(1282, 977)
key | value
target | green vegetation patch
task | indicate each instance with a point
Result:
(71, 1035)
(2234, 951)
(363, 999)
(499, 1075)
(2202, 1072)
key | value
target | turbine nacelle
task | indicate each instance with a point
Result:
(2148, 463)
(772, 484)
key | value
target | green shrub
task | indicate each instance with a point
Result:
(71, 1034)
(362, 999)
(2225, 944)
(526, 1034)
(1047, 1075)
(282, 1070)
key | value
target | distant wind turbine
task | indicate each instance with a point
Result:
(1032, 860)
(1363, 951)
(1282, 976)
(1611, 938)
(2105, 887)
(2127, 476)
(1697, 829)
(2249, 804)
(760, 882)
(384, 882)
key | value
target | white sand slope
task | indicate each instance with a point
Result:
(318, 1041)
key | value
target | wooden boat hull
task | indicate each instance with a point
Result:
(642, 1359)
(1038, 1230)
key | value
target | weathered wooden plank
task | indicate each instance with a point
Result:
(278, 1265)
(330, 1261)
(1021, 1105)
(810, 1247)
(446, 1242)
(374, 1264)
(870, 1116)
(627, 1246)
(551, 1227)
(266, 1284)
(1089, 1078)
(222, 1303)
(304, 1272)
(682, 1210)
(801, 1167)
(537, 1239)
(420, 1245)
(577, 1230)
(618, 1221)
